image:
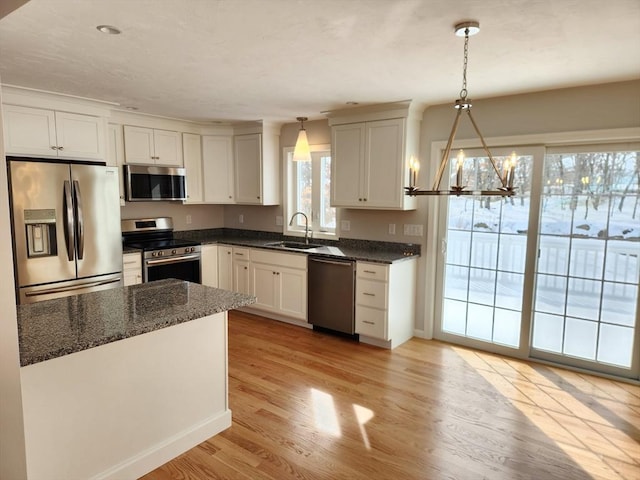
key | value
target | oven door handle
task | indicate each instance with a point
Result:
(172, 260)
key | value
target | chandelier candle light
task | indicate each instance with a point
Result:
(463, 104)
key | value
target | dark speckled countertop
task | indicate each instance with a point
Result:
(54, 328)
(349, 249)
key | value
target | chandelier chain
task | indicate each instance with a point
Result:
(463, 92)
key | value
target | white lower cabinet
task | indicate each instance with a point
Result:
(279, 283)
(132, 268)
(209, 265)
(240, 266)
(385, 302)
(225, 267)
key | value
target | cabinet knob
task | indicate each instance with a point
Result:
(60, 148)
(258, 197)
(53, 147)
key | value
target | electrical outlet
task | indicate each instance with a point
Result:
(188, 219)
(392, 229)
(345, 225)
(412, 230)
(241, 218)
(279, 220)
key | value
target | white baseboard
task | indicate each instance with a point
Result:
(163, 452)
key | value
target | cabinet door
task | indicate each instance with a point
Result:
(217, 166)
(248, 168)
(241, 279)
(292, 292)
(115, 155)
(209, 265)
(131, 269)
(167, 148)
(193, 163)
(384, 174)
(225, 267)
(80, 136)
(348, 150)
(29, 131)
(138, 145)
(264, 283)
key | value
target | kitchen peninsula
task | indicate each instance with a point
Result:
(118, 382)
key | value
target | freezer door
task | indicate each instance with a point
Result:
(40, 207)
(96, 198)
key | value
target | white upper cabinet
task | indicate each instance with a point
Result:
(49, 133)
(217, 168)
(115, 155)
(257, 167)
(371, 148)
(152, 147)
(192, 151)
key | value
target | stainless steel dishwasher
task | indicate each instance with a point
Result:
(331, 294)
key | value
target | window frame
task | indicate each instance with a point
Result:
(290, 196)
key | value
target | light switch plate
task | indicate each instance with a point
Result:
(279, 220)
(413, 230)
(345, 225)
(241, 218)
(188, 219)
(392, 229)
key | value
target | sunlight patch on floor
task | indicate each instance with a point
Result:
(363, 415)
(324, 413)
(566, 420)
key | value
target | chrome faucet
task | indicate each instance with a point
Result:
(306, 225)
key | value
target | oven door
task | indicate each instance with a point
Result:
(186, 267)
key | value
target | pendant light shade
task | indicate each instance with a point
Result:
(302, 152)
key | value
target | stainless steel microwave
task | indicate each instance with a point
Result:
(146, 183)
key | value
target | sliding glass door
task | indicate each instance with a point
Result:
(552, 273)
(484, 254)
(586, 297)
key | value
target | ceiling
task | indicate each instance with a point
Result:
(229, 60)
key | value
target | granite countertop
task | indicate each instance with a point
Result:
(53, 328)
(348, 249)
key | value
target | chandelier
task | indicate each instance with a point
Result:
(463, 104)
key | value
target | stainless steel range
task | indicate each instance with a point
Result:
(163, 256)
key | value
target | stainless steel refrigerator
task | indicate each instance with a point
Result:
(66, 228)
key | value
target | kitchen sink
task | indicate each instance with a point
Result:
(294, 245)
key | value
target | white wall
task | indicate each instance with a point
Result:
(12, 446)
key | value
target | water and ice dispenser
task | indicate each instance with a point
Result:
(41, 232)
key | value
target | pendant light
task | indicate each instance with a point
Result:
(302, 152)
(463, 104)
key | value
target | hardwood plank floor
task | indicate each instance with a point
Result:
(309, 405)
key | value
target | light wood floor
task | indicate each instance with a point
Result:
(308, 405)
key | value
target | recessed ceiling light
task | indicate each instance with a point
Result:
(131, 108)
(353, 103)
(108, 29)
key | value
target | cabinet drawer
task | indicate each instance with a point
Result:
(131, 261)
(371, 322)
(372, 271)
(291, 260)
(240, 253)
(371, 293)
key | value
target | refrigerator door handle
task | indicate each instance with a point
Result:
(79, 219)
(68, 220)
